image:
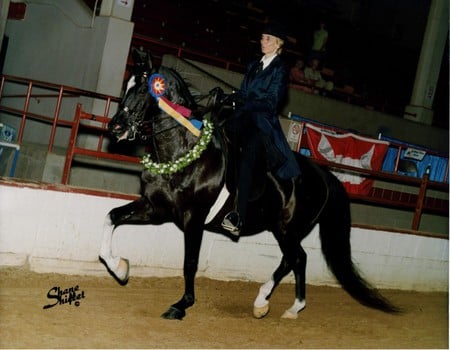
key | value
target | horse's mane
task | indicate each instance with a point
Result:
(183, 88)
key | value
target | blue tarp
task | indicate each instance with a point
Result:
(437, 164)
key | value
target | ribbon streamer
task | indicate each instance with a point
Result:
(157, 88)
(166, 107)
(185, 112)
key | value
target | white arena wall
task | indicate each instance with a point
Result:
(59, 231)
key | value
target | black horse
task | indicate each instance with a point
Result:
(186, 177)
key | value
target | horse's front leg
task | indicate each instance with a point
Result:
(135, 212)
(192, 243)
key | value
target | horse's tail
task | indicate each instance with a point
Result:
(335, 239)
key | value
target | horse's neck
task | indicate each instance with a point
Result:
(173, 144)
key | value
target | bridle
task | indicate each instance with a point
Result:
(135, 115)
(140, 107)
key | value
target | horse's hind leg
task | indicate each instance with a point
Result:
(261, 303)
(294, 258)
(299, 267)
(130, 213)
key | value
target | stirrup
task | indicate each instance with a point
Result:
(232, 223)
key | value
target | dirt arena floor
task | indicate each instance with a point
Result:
(108, 315)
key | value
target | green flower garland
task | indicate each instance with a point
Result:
(182, 162)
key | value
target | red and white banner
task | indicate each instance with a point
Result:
(348, 149)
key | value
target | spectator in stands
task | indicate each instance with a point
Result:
(319, 46)
(296, 74)
(314, 78)
(254, 127)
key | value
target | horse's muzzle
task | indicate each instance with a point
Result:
(118, 131)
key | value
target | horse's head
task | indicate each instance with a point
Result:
(138, 110)
(127, 122)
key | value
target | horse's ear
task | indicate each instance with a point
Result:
(142, 60)
(149, 61)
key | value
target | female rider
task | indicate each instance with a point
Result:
(255, 126)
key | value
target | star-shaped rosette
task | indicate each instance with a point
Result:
(156, 85)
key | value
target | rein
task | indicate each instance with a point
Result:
(153, 134)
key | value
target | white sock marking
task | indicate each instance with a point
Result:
(264, 292)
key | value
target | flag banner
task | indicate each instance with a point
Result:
(348, 149)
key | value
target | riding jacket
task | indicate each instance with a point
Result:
(261, 94)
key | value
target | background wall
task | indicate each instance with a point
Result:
(52, 231)
(55, 42)
(63, 42)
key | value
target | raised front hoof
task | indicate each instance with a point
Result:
(121, 272)
(260, 312)
(173, 314)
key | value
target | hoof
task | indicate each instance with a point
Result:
(123, 270)
(290, 315)
(173, 314)
(292, 312)
(260, 312)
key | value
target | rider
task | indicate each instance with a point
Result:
(255, 124)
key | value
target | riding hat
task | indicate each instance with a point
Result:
(276, 29)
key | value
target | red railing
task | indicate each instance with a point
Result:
(97, 124)
(53, 91)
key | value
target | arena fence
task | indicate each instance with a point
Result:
(96, 126)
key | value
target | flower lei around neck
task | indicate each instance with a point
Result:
(156, 88)
(172, 167)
